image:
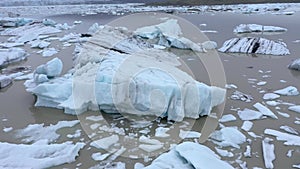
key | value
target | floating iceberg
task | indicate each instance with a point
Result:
(12, 55)
(255, 45)
(295, 64)
(38, 155)
(249, 28)
(189, 155)
(121, 77)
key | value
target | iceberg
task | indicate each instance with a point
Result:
(38, 155)
(12, 55)
(255, 45)
(4, 81)
(295, 64)
(186, 155)
(121, 77)
(249, 28)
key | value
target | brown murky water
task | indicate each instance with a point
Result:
(17, 105)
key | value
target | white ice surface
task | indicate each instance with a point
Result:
(227, 118)
(247, 125)
(270, 96)
(268, 152)
(248, 114)
(189, 134)
(288, 91)
(289, 139)
(228, 136)
(264, 110)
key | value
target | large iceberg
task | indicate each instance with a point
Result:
(255, 45)
(249, 28)
(130, 76)
(189, 155)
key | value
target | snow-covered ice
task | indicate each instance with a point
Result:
(38, 155)
(288, 91)
(295, 108)
(186, 155)
(248, 114)
(290, 139)
(255, 45)
(227, 118)
(270, 96)
(264, 110)
(12, 55)
(268, 152)
(249, 28)
(295, 64)
(36, 132)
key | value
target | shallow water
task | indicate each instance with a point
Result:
(17, 105)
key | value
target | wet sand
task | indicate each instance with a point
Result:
(17, 105)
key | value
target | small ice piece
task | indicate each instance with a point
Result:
(227, 118)
(289, 153)
(249, 28)
(295, 108)
(144, 139)
(270, 96)
(248, 114)
(4, 81)
(94, 118)
(231, 86)
(282, 81)
(228, 136)
(99, 156)
(139, 166)
(36, 132)
(7, 129)
(255, 45)
(268, 152)
(189, 134)
(186, 156)
(288, 91)
(264, 110)
(150, 148)
(283, 114)
(262, 83)
(252, 134)
(272, 103)
(106, 142)
(237, 95)
(289, 130)
(77, 22)
(295, 64)
(39, 44)
(47, 52)
(38, 155)
(247, 125)
(289, 139)
(161, 132)
(75, 135)
(297, 122)
(296, 166)
(247, 153)
(224, 153)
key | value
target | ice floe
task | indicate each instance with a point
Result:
(295, 64)
(12, 55)
(228, 136)
(255, 45)
(105, 143)
(237, 95)
(289, 129)
(288, 91)
(224, 153)
(102, 62)
(295, 108)
(290, 139)
(264, 110)
(268, 152)
(38, 155)
(248, 114)
(270, 96)
(247, 125)
(227, 118)
(186, 155)
(249, 28)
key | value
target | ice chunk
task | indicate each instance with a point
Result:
(289, 139)
(150, 147)
(161, 132)
(144, 139)
(289, 153)
(49, 22)
(295, 64)
(64, 26)
(231, 86)
(270, 96)
(189, 134)
(99, 156)
(186, 155)
(255, 45)
(51, 69)
(247, 125)
(10, 45)
(14, 22)
(224, 153)
(295, 108)
(106, 142)
(268, 152)
(288, 91)
(296, 166)
(283, 114)
(39, 44)
(7, 129)
(37, 155)
(262, 83)
(237, 95)
(249, 28)
(12, 55)
(227, 118)
(228, 136)
(248, 114)
(4, 81)
(47, 52)
(289, 129)
(247, 153)
(36, 132)
(264, 110)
